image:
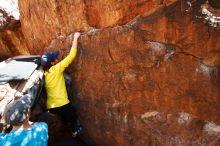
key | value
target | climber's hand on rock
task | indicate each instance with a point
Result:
(75, 39)
(77, 35)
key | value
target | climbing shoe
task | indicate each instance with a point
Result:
(77, 132)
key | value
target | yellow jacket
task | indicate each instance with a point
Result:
(55, 83)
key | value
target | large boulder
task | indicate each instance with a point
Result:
(146, 73)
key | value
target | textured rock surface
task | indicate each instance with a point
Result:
(12, 41)
(9, 14)
(151, 81)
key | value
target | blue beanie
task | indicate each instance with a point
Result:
(47, 58)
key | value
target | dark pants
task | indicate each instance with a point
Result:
(68, 114)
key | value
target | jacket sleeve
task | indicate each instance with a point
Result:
(67, 60)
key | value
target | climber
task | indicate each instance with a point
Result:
(57, 97)
(23, 131)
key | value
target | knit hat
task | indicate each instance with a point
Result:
(16, 112)
(47, 58)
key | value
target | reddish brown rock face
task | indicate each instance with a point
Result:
(49, 19)
(105, 13)
(165, 62)
(12, 43)
(150, 81)
(46, 20)
(214, 3)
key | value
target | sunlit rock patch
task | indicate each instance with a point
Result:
(211, 15)
(9, 13)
